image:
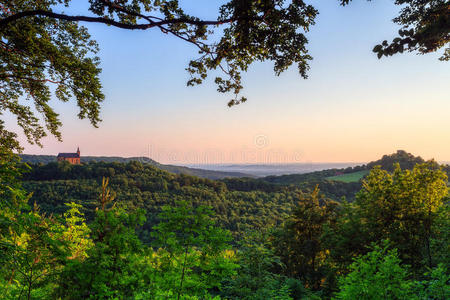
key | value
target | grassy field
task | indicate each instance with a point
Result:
(350, 177)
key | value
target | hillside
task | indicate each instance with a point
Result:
(345, 182)
(239, 203)
(349, 177)
(333, 183)
(210, 174)
(141, 185)
(352, 174)
(405, 159)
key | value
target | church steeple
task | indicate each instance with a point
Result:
(78, 151)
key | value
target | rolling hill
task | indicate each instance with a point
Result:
(210, 174)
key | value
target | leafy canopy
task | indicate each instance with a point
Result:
(38, 51)
(377, 275)
(193, 255)
(425, 28)
(299, 241)
(402, 207)
(380, 274)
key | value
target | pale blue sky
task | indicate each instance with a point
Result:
(352, 108)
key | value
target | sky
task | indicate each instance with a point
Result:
(352, 108)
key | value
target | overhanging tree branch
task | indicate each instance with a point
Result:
(10, 19)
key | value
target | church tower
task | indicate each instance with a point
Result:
(78, 151)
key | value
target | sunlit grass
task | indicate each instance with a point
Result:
(350, 177)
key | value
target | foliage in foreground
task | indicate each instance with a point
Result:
(324, 249)
(49, 257)
(321, 239)
(380, 275)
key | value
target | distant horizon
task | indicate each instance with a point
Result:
(223, 164)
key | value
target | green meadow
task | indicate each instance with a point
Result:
(350, 177)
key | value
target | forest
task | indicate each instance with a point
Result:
(115, 230)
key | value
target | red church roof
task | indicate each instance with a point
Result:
(69, 155)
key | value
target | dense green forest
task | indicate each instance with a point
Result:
(239, 203)
(132, 231)
(138, 185)
(328, 180)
